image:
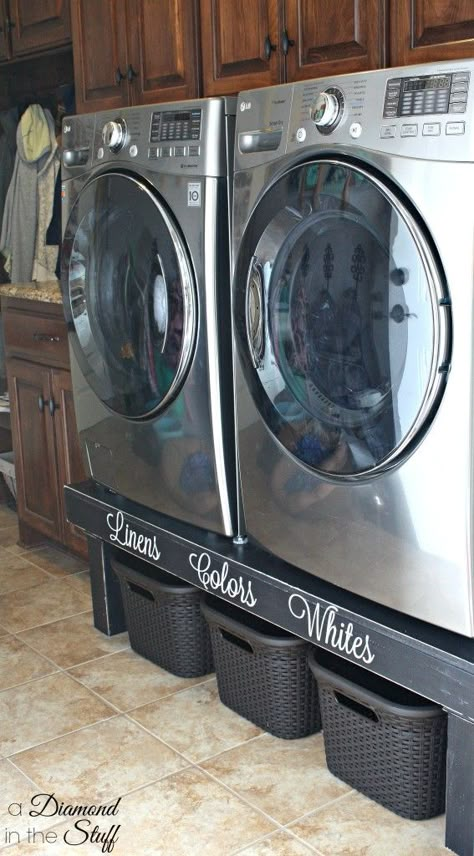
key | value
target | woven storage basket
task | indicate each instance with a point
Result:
(262, 672)
(164, 620)
(385, 741)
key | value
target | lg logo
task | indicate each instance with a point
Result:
(245, 105)
(67, 129)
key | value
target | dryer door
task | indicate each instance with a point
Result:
(342, 319)
(132, 299)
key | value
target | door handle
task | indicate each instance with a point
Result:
(52, 406)
(268, 47)
(118, 76)
(286, 42)
(40, 403)
(131, 73)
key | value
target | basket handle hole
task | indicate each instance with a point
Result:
(140, 591)
(356, 706)
(236, 640)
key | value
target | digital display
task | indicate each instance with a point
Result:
(176, 117)
(416, 83)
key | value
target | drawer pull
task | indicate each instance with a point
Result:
(45, 337)
(40, 403)
(52, 406)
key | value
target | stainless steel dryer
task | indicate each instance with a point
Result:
(353, 298)
(146, 285)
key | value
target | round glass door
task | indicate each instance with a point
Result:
(343, 325)
(132, 296)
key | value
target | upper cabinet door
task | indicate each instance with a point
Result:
(99, 39)
(38, 25)
(163, 50)
(326, 37)
(240, 45)
(431, 30)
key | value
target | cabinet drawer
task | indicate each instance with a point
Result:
(38, 337)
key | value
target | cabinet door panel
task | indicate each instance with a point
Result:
(425, 31)
(33, 443)
(234, 37)
(70, 466)
(5, 47)
(334, 36)
(100, 54)
(163, 50)
(39, 25)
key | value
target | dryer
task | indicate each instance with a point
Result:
(353, 242)
(146, 287)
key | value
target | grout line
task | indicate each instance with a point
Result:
(59, 737)
(243, 799)
(22, 772)
(318, 809)
(231, 748)
(302, 841)
(45, 623)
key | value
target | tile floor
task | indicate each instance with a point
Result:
(86, 719)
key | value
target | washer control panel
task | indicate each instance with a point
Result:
(426, 95)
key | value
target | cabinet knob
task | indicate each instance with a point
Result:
(131, 73)
(118, 76)
(286, 42)
(268, 47)
(40, 403)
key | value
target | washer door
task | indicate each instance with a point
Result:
(131, 294)
(342, 319)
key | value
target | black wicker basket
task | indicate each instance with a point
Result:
(262, 672)
(164, 620)
(381, 739)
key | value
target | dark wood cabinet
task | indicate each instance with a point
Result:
(38, 25)
(133, 52)
(333, 37)
(257, 42)
(431, 30)
(29, 386)
(240, 45)
(44, 433)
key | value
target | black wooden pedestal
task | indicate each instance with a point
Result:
(435, 663)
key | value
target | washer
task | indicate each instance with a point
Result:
(146, 286)
(353, 245)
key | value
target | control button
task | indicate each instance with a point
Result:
(432, 129)
(166, 151)
(100, 153)
(459, 87)
(390, 114)
(409, 131)
(455, 127)
(153, 153)
(458, 96)
(133, 151)
(180, 151)
(461, 75)
(355, 130)
(457, 108)
(387, 131)
(194, 151)
(301, 135)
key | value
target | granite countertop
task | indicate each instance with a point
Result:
(49, 291)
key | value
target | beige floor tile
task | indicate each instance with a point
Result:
(56, 561)
(39, 605)
(195, 722)
(278, 844)
(17, 573)
(81, 582)
(284, 778)
(127, 680)
(8, 517)
(73, 640)
(186, 814)
(9, 536)
(18, 663)
(16, 793)
(356, 826)
(44, 709)
(110, 759)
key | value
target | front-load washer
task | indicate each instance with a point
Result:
(353, 299)
(146, 288)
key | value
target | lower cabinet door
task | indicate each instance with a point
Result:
(34, 446)
(69, 460)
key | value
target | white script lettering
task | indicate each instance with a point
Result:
(123, 535)
(215, 580)
(323, 627)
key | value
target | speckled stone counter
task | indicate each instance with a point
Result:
(49, 292)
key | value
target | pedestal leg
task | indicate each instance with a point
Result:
(460, 786)
(106, 595)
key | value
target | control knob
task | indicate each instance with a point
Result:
(326, 110)
(114, 134)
